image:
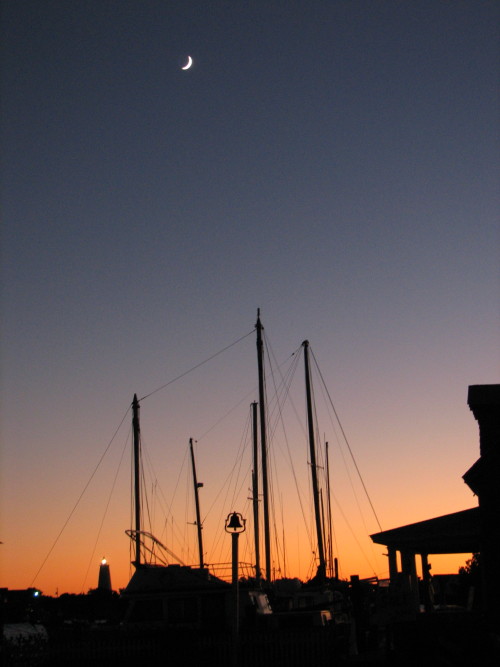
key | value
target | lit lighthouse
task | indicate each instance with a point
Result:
(104, 576)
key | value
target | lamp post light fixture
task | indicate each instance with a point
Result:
(234, 523)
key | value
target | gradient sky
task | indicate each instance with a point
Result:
(334, 163)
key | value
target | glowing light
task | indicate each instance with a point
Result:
(104, 561)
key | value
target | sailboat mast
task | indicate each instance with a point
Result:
(314, 472)
(329, 514)
(137, 479)
(255, 490)
(197, 503)
(263, 445)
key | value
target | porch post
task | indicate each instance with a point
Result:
(393, 564)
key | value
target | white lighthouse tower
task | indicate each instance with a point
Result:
(104, 583)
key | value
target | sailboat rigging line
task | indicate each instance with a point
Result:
(125, 448)
(228, 477)
(283, 538)
(144, 499)
(131, 508)
(353, 534)
(216, 543)
(329, 511)
(157, 492)
(156, 543)
(356, 498)
(245, 398)
(238, 487)
(80, 497)
(286, 382)
(168, 511)
(271, 432)
(224, 485)
(239, 458)
(284, 388)
(347, 443)
(346, 466)
(216, 354)
(279, 549)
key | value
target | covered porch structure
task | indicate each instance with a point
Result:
(452, 533)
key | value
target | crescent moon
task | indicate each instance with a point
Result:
(188, 64)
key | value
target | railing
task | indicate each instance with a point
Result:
(284, 648)
(224, 570)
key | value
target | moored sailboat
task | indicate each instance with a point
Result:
(175, 595)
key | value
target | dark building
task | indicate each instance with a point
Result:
(484, 480)
(476, 530)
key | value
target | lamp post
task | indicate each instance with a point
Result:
(235, 524)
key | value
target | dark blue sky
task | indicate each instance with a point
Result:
(333, 163)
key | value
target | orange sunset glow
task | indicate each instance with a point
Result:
(77, 515)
